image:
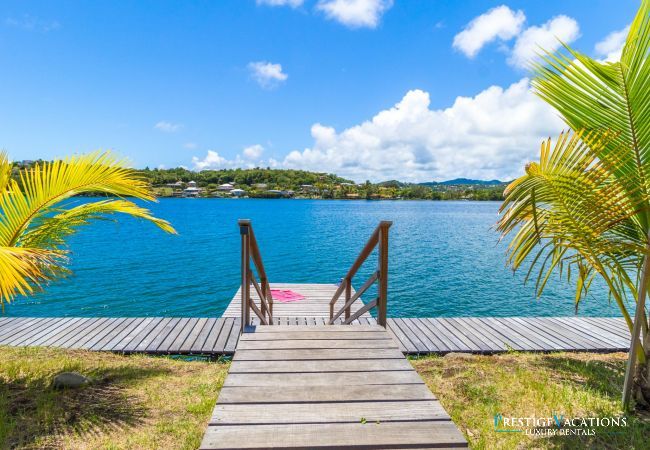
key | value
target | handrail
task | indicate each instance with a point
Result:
(379, 237)
(250, 251)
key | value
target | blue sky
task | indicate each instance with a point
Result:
(370, 89)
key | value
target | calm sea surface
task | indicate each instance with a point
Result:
(444, 260)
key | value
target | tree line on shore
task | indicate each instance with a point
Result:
(267, 182)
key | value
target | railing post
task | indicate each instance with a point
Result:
(264, 289)
(383, 273)
(348, 296)
(244, 230)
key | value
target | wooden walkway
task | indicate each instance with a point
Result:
(314, 305)
(345, 386)
(157, 335)
(153, 335)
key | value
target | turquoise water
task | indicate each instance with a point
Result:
(444, 260)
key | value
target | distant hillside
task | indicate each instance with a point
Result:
(464, 181)
(273, 178)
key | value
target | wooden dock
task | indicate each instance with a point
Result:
(314, 305)
(151, 335)
(414, 336)
(339, 386)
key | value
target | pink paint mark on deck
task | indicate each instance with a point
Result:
(286, 295)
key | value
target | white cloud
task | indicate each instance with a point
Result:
(498, 23)
(31, 23)
(249, 160)
(355, 13)
(253, 152)
(292, 3)
(212, 160)
(611, 47)
(267, 75)
(168, 127)
(490, 135)
(536, 39)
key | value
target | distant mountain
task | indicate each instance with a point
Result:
(464, 181)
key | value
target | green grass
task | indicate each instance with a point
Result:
(141, 402)
(135, 402)
(473, 389)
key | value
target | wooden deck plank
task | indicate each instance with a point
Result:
(294, 384)
(62, 334)
(608, 338)
(220, 336)
(297, 335)
(85, 327)
(133, 344)
(494, 340)
(324, 394)
(433, 343)
(199, 341)
(233, 339)
(134, 331)
(26, 332)
(444, 343)
(289, 355)
(172, 337)
(103, 336)
(162, 334)
(117, 331)
(287, 344)
(509, 336)
(413, 337)
(38, 334)
(213, 336)
(396, 333)
(16, 326)
(568, 337)
(146, 342)
(482, 337)
(341, 412)
(444, 329)
(279, 380)
(543, 341)
(334, 435)
(517, 334)
(220, 342)
(343, 365)
(192, 334)
(118, 334)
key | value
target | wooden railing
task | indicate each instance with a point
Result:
(378, 238)
(251, 252)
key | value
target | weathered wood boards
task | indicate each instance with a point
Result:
(154, 335)
(500, 334)
(292, 387)
(315, 304)
(210, 336)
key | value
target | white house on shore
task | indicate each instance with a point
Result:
(237, 192)
(192, 190)
(226, 187)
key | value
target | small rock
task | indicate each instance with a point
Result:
(69, 380)
(457, 355)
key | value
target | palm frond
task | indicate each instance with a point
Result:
(47, 184)
(24, 270)
(5, 171)
(51, 232)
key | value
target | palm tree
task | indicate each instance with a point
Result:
(36, 215)
(584, 209)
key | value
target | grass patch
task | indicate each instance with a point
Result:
(475, 388)
(134, 401)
